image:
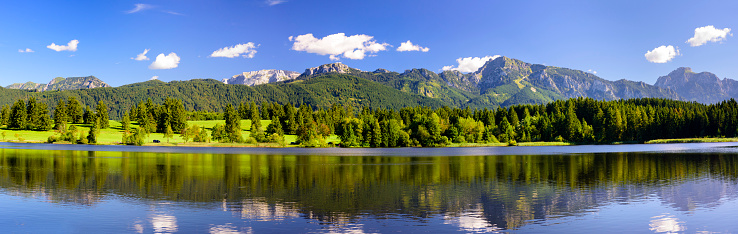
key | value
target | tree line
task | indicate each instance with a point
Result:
(580, 120)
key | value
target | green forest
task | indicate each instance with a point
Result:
(213, 96)
(579, 121)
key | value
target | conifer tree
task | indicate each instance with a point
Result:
(43, 121)
(60, 115)
(102, 114)
(233, 124)
(376, 135)
(275, 127)
(88, 116)
(94, 131)
(74, 111)
(5, 118)
(126, 122)
(18, 115)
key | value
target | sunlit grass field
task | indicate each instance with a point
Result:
(114, 135)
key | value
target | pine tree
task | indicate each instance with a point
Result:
(94, 131)
(275, 127)
(243, 111)
(88, 116)
(5, 118)
(376, 135)
(74, 111)
(255, 121)
(60, 115)
(513, 117)
(102, 114)
(31, 113)
(233, 124)
(126, 122)
(177, 114)
(18, 115)
(42, 122)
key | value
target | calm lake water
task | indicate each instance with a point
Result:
(580, 189)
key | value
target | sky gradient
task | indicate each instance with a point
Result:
(218, 39)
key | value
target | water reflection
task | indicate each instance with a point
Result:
(666, 223)
(340, 193)
(164, 223)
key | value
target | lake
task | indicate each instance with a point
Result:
(561, 189)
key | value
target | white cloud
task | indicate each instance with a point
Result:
(139, 7)
(154, 78)
(470, 64)
(708, 33)
(408, 46)
(662, 54)
(592, 71)
(142, 56)
(165, 61)
(71, 46)
(274, 2)
(248, 51)
(27, 50)
(172, 12)
(336, 45)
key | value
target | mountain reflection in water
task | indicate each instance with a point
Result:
(369, 193)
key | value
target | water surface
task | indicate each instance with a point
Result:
(645, 188)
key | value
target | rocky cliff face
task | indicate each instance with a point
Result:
(702, 87)
(60, 83)
(461, 81)
(261, 77)
(329, 68)
(567, 83)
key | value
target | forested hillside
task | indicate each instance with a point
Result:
(212, 95)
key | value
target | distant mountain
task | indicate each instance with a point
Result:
(61, 83)
(503, 82)
(261, 77)
(500, 82)
(702, 87)
(329, 68)
(28, 86)
(503, 78)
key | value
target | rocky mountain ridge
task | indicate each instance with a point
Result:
(261, 77)
(60, 83)
(702, 87)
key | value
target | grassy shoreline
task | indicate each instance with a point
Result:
(113, 136)
(692, 140)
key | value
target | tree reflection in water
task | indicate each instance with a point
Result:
(472, 193)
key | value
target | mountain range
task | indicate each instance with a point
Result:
(60, 83)
(499, 82)
(701, 87)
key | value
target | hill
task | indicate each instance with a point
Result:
(212, 95)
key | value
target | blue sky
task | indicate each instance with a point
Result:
(609, 37)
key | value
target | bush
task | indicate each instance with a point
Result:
(250, 140)
(559, 139)
(512, 143)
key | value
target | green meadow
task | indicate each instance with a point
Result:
(114, 135)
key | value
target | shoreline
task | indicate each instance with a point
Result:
(453, 145)
(731, 147)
